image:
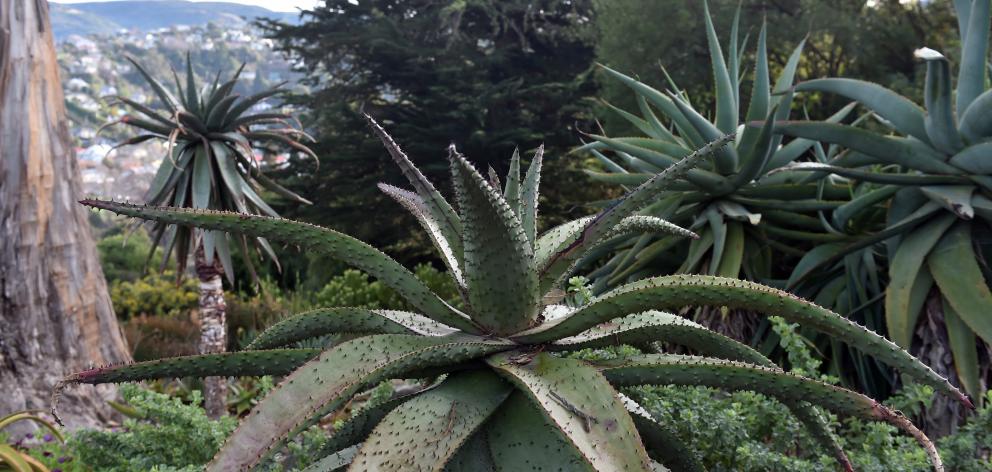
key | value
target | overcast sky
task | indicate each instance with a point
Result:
(274, 5)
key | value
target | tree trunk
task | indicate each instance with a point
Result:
(55, 312)
(213, 329)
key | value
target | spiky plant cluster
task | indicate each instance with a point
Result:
(507, 399)
(931, 167)
(742, 202)
(210, 162)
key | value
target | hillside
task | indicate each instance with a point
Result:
(146, 15)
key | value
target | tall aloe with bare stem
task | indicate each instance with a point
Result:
(506, 398)
(210, 164)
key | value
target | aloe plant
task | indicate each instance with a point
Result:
(932, 167)
(507, 399)
(740, 204)
(210, 163)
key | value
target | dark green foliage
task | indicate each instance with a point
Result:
(165, 433)
(487, 74)
(123, 257)
(153, 295)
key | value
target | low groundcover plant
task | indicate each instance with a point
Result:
(503, 398)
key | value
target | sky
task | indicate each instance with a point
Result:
(274, 5)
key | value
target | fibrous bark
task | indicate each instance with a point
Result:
(55, 311)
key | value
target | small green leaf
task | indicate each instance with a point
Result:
(528, 195)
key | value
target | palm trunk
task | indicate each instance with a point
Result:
(213, 329)
(55, 311)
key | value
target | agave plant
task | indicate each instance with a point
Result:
(740, 204)
(507, 399)
(210, 163)
(933, 167)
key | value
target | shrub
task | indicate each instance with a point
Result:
(123, 256)
(353, 288)
(164, 434)
(153, 294)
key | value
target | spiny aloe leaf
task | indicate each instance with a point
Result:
(425, 432)
(662, 443)
(606, 220)
(580, 404)
(648, 224)
(325, 383)
(511, 192)
(974, 56)
(228, 364)
(502, 285)
(419, 209)
(325, 321)
(954, 266)
(906, 116)
(358, 426)
(677, 291)
(315, 238)
(940, 121)
(447, 219)
(529, 195)
(473, 456)
(654, 326)
(888, 149)
(557, 239)
(669, 369)
(521, 438)
(334, 462)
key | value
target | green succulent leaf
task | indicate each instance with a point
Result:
(315, 238)
(887, 149)
(245, 363)
(499, 274)
(974, 56)
(528, 195)
(521, 437)
(325, 383)
(955, 268)
(324, 321)
(940, 122)
(580, 404)
(675, 292)
(357, 427)
(425, 432)
(905, 116)
(511, 191)
(448, 221)
(976, 121)
(955, 198)
(419, 209)
(975, 159)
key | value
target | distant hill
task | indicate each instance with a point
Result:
(144, 15)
